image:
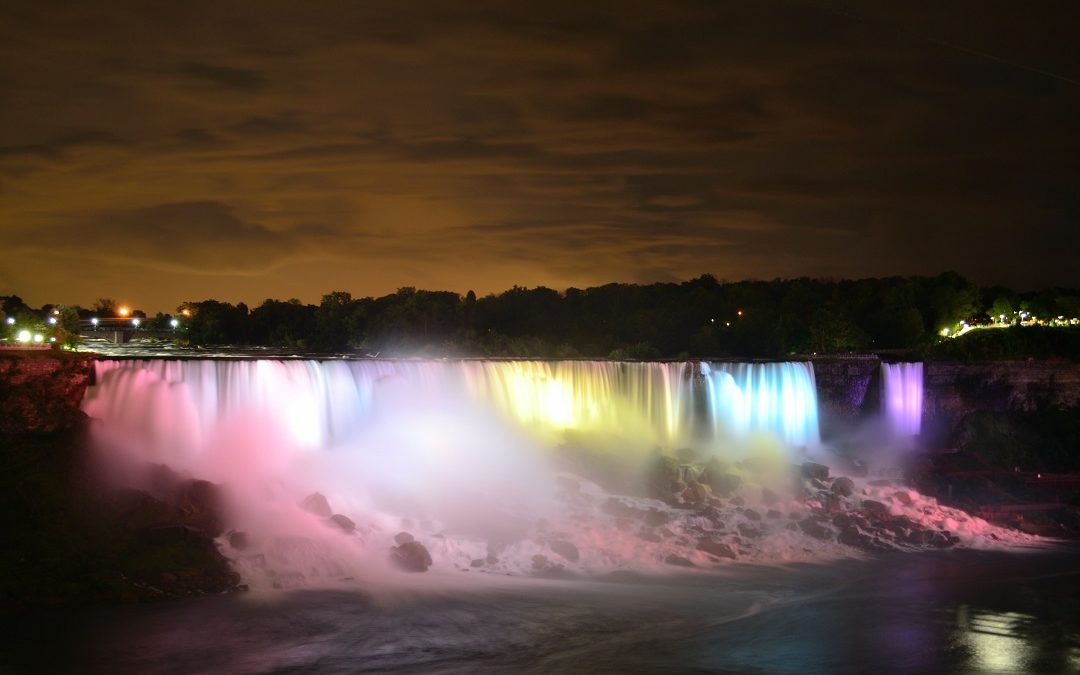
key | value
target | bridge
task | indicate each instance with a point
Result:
(121, 330)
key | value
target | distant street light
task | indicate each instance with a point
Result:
(10, 321)
(135, 322)
(175, 323)
(23, 336)
(94, 321)
(52, 320)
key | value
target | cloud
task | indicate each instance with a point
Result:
(241, 79)
(196, 236)
(556, 142)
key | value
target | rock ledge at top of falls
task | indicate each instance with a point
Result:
(41, 391)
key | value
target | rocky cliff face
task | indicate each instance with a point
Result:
(848, 390)
(955, 390)
(40, 391)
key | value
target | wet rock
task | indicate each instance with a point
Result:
(875, 509)
(678, 561)
(749, 531)
(769, 498)
(815, 528)
(198, 503)
(737, 501)
(403, 537)
(819, 485)
(832, 503)
(238, 540)
(751, 514)
(316, 503)
(344, 522)
(725, 485)
(903, 496)
(169, 534)
(814, 470)
(688, 456)
(649, 535)
(663, 472)
(411, 556)
(715, 516)
(852, 536)
(565, 549)
(716, 548)
(773, 513)
(620, 509)
(843, 486)
(940, 539)
(699, 492)
(656, 517)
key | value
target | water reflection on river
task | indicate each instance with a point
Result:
(954, 612)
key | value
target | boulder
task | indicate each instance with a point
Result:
(751, 514)
(903, 496)
(238, 540)
(815, 470)
(649, 535)
(843, 486)
(699, 492)
(316, 503)
(663, 472)
(875, 509)
(815, 528)
(565, 549)
(725, 484)
(411, 556)
(403, 538)
(199, 503)
(656, 517)
(620, 509)
(678, 561)
(749, 531)
(716, 548)
(769, 498)
(344, 522)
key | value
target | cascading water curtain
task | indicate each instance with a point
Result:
(902, 397)
(318, 404)
(772, 398)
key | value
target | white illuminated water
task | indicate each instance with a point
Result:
(902, 397)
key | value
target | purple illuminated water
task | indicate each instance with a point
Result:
(902, 397)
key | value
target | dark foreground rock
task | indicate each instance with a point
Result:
(70, 540)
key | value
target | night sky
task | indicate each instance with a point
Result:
(155, 152)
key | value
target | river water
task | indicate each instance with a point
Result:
(939, 612)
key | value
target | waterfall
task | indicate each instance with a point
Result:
(318, 404)
(902, 397)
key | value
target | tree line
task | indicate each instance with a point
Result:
(703, 317)
(700, 317)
